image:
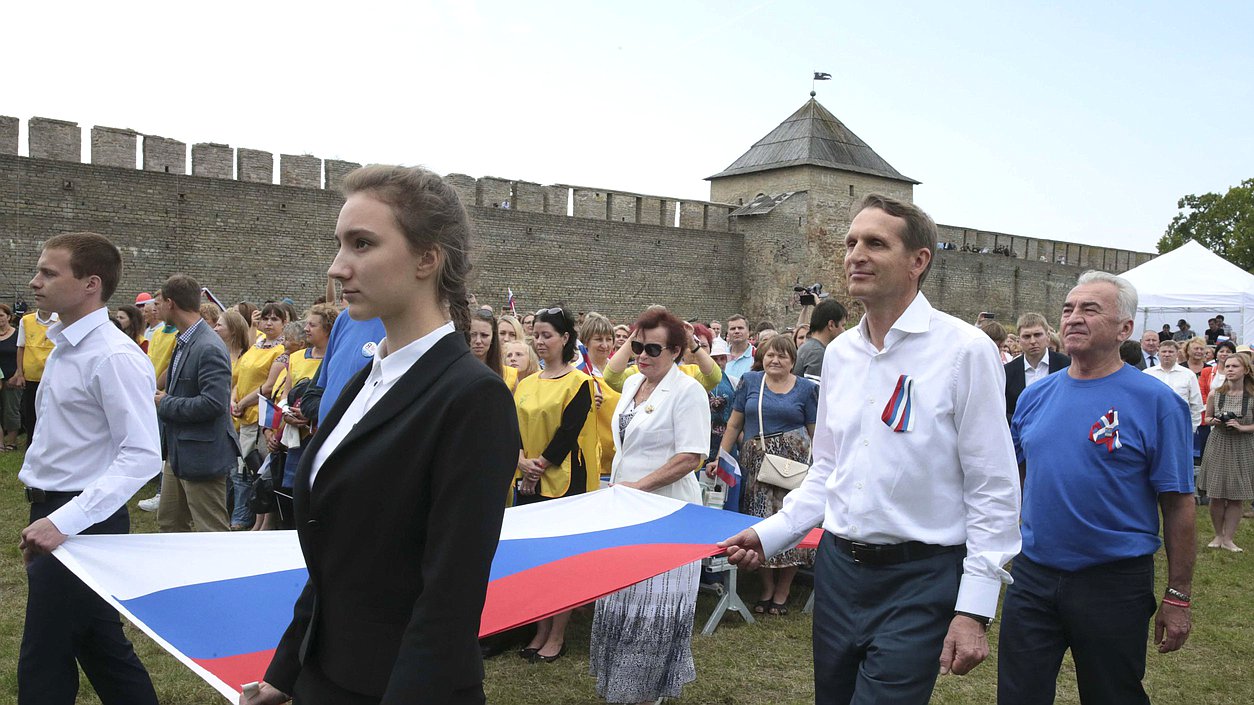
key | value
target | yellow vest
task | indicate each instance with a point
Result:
(510, 375)
(251, 372)
(540, 403)
(605, 432)
(302, 367)
(161, 347)
(37, 347)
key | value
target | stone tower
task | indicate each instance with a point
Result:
(794, 189)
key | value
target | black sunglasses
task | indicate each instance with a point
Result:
(555, 311)
(650, 349)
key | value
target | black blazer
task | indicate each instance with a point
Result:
(1016, 379)
(399, 532)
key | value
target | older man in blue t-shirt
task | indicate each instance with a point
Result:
(1102, 449)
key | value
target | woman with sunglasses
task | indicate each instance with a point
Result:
(642, 636)
(699, 365)
(398, 495)
(559, 454)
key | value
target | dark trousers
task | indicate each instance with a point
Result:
(28, 410)
(878, 630)
(1101, 613)
(67, 626)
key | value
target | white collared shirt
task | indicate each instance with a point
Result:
(384, 373)
(97, 428)
(949, 480)
(1032, 375)
(1184, 383)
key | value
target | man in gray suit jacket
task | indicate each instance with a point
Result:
(200, 443)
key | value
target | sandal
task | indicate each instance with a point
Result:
(778, 609)
(761, 606)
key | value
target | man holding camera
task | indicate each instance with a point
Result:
(827, 322)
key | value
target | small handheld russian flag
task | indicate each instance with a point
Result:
(728, 469)
(584, 365)
(269, 415)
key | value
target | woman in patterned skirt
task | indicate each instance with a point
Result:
(642, 636)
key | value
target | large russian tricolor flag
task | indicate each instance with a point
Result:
(219, 602)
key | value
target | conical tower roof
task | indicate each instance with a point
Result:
(812, 135)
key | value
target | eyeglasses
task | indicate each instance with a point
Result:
(555, 311)
(650, 349)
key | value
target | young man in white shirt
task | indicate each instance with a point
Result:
(1181, 379)
(100, 384)
(914, 480)
(1035, 364)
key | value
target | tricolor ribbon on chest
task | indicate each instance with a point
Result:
(1106, 431)
(899, 412)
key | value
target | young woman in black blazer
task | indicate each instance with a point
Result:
(398, 495)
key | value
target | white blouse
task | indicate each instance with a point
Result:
(674, 419)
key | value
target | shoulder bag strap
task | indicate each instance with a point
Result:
(761, 426)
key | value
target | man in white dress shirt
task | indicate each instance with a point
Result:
(914, 480)
(1181, 379)
(79, 477)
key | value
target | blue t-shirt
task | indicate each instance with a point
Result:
(1088, 502)
(781, 412)
(350, 348)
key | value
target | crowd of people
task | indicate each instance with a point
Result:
(262, 409)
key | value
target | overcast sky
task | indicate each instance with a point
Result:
(1078, 121)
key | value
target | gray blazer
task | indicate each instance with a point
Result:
(196, 429)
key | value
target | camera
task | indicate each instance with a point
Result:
(810, 295)
(1226, 416)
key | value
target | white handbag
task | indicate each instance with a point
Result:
(777, 470)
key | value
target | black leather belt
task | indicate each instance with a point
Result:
(38, 496)
(889, 554)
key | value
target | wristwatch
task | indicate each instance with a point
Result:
(985, 622)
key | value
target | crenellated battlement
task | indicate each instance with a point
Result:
(61, 140)
(257, 225)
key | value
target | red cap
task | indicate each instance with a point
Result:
(144, 298)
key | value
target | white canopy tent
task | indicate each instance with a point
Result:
(1195, 284)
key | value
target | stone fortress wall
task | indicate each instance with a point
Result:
(250, 231)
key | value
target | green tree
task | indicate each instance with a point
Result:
(1222, 222)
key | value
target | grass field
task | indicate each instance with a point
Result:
(740, 664)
